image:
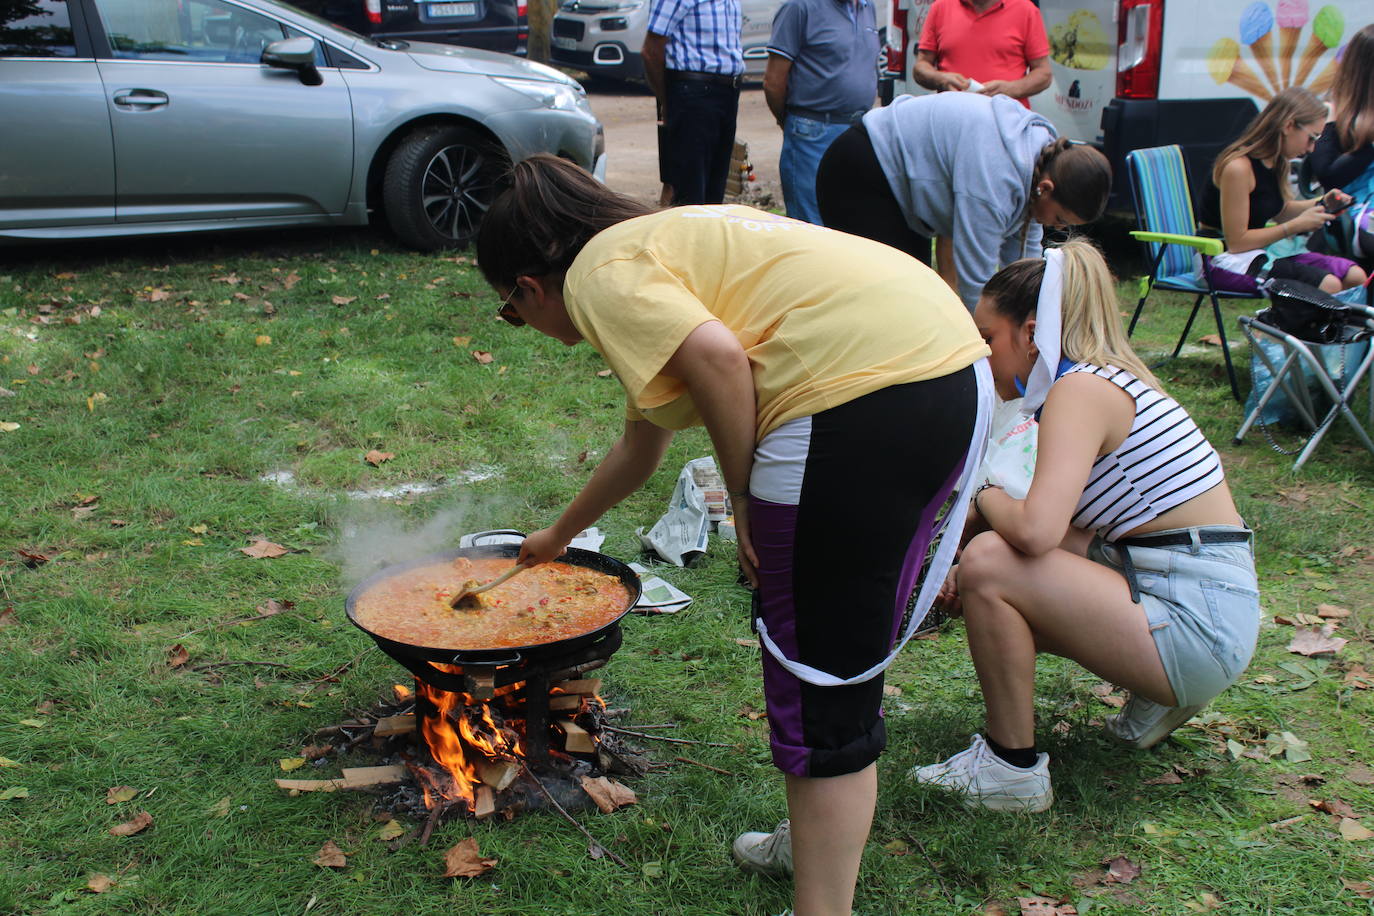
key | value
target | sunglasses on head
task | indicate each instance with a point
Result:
(507, 311)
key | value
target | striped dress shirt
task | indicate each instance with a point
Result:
(704, 35)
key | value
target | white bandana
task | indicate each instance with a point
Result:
(1047, 333)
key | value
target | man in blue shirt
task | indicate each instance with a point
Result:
(822, 76)
(693, 62)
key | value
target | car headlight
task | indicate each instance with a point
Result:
(558, 96)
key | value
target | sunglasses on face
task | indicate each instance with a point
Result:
(507, 311)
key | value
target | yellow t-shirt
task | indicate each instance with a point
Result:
(823, 316)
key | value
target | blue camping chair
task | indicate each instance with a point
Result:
(1164, 211)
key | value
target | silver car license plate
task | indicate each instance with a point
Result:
(442, 10)
(567, 44)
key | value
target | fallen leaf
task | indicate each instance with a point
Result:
(272, 606)
(1204, 903)
(1332, 806)
(140, 822)
(1104, 693)
(198, 529)
(159, 295)
(291, 763)
(8, 426)
(1044, 906)
(463, 861)
(1168, 779)
(1360, 775)
(482, 356)
(177, 656)
(262, 340)
(462, 342)
(897, 847)
(116, 794)
(8, 617)
(343, 300)
(264, 550)
(390, 830)
(1312, 642)
(330, 856)
(375, 457)
(14, 792)
(652, 869)
(1211, 340)
(6, 762)
(1352, 831)
(747, 643)
(1358, 678)
(595, 850)
(99, 884)
(81, 512)
(31, 559)
(1332, 611)
(1359, 888)
(605, 373)
(608, 794)
(220, 808)
(1121, 870)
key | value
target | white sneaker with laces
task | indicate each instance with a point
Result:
(1143, 723)
(987, 781)
(766, 853)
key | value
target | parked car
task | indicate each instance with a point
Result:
(602, 37)
(493, 25)
(1130, 74)
(134, 117)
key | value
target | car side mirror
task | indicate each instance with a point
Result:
(294, 54)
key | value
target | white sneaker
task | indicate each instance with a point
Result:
(766, 853)
(1143, 723)
(987, 781)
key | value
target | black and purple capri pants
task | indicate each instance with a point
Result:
(842, 509)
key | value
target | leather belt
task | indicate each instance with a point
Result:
(1178, 539)
(700, 76)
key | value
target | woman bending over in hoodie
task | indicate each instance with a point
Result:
(984, 171)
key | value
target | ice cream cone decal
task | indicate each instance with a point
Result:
(1291, 17)
(1256, 29)
(1225, 65)
(1322, 82)
(1327, 28)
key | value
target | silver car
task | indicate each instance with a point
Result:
(134, 117)
(603, 37)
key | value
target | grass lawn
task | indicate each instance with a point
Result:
(177, 400)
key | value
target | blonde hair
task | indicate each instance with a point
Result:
(1263, 139)
(1088, 306)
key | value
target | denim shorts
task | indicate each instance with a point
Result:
(1202, 604)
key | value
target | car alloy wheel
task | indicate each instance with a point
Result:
(438, 186)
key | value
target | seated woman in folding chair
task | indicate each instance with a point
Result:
(1344, 154)
(1249, 190)
(1162, 601)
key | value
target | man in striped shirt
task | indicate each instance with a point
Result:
(693, 63)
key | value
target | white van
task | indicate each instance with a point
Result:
(603, 37)
(1130, 74)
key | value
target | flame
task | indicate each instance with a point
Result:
(459, 750)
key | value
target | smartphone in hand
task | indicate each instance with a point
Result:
(1338, 208)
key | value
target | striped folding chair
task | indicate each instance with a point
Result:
(1164, 211)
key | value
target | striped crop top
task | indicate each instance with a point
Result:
(1163, 462)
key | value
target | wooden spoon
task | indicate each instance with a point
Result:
(468, 591)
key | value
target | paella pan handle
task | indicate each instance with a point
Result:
(465, 658)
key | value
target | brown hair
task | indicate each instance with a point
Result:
(1082, 177)
(1091, 324)
(541, 222)
(1263, 139)
(1352, 92)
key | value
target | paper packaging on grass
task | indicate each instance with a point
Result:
(658, 596)
(680, 535)
(1010, 459)
(588, 539)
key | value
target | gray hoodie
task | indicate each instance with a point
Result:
(960, 165)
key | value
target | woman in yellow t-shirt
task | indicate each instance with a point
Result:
(841, 383)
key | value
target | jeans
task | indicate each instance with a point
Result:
(804, 141)
(698, 140)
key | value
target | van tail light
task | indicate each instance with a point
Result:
(374, 11)
(895, 49)
(1140, 34)
(522, 20)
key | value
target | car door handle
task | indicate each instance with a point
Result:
(139, 98)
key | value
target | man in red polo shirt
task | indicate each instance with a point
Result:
(996, 47)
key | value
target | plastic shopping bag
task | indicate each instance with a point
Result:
(1010, 459)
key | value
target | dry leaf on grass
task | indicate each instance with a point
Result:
(1170, 778)
(7, 617)
(1121, 870)
(140, 822)
(330, 856)
(1332, 611)
(1205, 902)
(1352, 831)
(291, 763)
(1358, 678)
(1104, 693)
(375, 457)
(1045, 906)
(32, 559)
(1332, 806)
(177, 656)
(1311, 642)
(99, 884)
(390, 830)
(116, 794)
(1359, 888)
(608, 794)
(482, 356)
(605, 373)
(264, 550)
(1211, 340)
(343, 300)
(463, 861)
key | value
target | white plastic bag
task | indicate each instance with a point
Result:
(1010, 459)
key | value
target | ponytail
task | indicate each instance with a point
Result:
(1082, 179)
(541, 222)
